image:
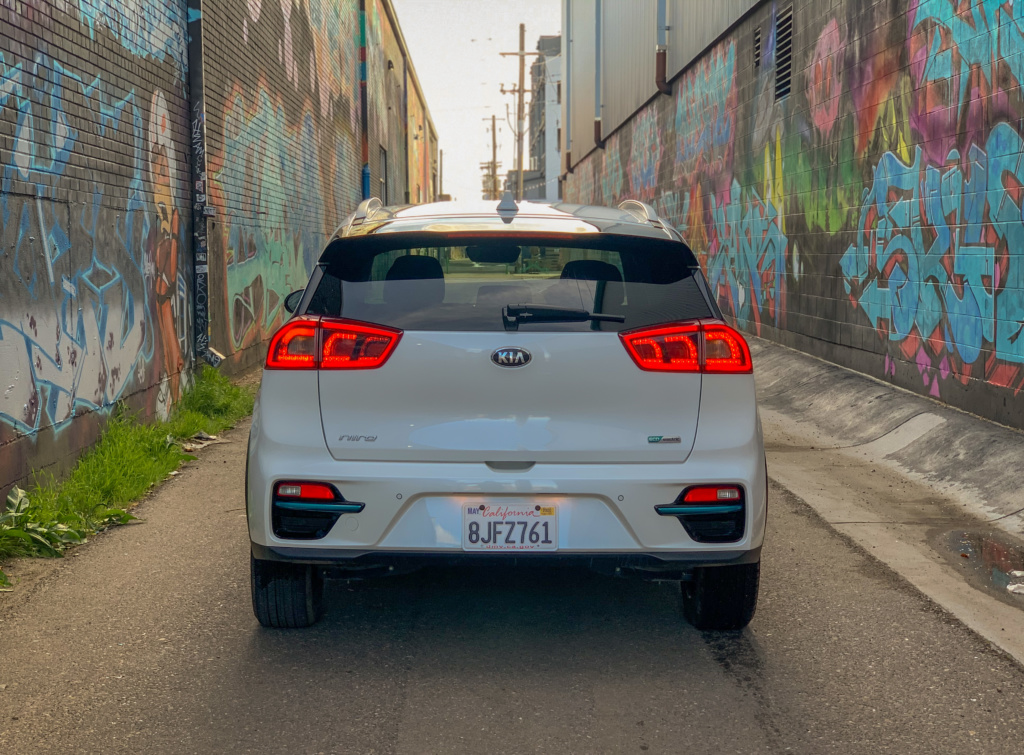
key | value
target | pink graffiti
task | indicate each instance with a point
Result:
(823, 85)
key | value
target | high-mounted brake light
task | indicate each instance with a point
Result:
(311, 343)
(695, 346)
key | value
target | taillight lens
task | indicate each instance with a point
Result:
(725, 350)
(695, 346)
(306, 491)
(349, 345)
(675, 348)
(307, 343)
(294, 346)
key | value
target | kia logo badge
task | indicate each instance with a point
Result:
(511, 357)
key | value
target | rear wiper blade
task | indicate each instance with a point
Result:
(514, 314)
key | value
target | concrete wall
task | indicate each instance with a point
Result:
(873, 216)
(284, 148)
(96, 192)
(95, 273)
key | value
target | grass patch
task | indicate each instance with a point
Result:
(128, 460)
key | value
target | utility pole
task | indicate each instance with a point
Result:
(494, 157)
(521, 106)
(491, 168)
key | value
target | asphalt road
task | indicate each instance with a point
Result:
(145, 642)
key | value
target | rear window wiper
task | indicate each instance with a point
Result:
(514, 314)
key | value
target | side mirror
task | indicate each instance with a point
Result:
(291, 302)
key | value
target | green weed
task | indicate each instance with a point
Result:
(128, 460)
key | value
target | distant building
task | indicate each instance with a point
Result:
(543, 140)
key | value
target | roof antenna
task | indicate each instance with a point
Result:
(508, 203)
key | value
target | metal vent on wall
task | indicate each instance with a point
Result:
(757, 47)
(784, 53)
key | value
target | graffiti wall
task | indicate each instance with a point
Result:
(95, 299)
(870, 212)
(284, 145)
(96, 191)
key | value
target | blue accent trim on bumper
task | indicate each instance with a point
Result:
(728, 508)
(330, 508)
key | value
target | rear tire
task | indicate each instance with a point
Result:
(286, 596)
(721, 598)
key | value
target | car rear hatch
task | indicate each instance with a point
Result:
(503, 350)
(442, 397)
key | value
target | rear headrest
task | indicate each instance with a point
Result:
(414, 282)
(591, 270)
(414, 267)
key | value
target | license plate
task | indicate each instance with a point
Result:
(509, 528)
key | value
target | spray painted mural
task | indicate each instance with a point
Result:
(284, 148)
(97, 291)
(95, 301)
(872, 214)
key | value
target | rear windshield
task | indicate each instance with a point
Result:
(491, 284)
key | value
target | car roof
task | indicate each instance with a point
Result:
(630, 218)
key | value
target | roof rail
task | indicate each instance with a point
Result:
(365, 209)
(647, 214)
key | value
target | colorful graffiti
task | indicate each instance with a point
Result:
(875, 210)
(705, 114)
(277, 226)
(284, 148)
(746, 263)
(90, 303)
(824, 86)
(645, 155)
(142, 27)
(939, 260)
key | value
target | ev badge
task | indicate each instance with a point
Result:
(511, 357)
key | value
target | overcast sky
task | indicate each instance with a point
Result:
(454, 45)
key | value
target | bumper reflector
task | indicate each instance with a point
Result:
(308, 510)
(709, 513)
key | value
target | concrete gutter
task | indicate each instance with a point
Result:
(976, 462)
(907, 479)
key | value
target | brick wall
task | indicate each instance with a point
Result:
(95, 274)
(284, 148)
(95, 193)
(871, 216)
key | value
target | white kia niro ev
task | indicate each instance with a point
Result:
(498, 381)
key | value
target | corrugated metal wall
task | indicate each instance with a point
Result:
(695, 24)
(581, 22)
(629, 36)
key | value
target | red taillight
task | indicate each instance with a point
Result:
(322, 343)
(725, 350)
(675, 348)
(349, 345)
(306, 491)
(713, 494)
(294, 346)
(695, 346)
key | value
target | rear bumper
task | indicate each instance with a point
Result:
(370, 563)
(414, 510)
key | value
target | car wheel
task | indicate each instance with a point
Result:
(721, 597)
(286, 596)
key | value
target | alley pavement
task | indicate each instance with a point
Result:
(144, 641)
